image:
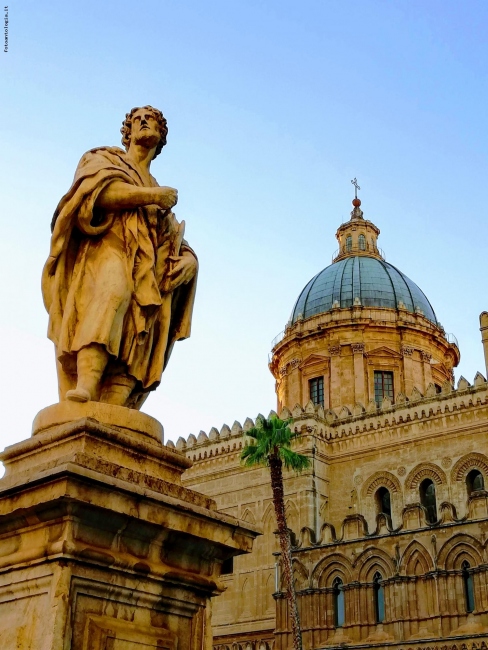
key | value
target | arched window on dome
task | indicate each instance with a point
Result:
(428, 500)
(339, 604)
(468, 587)
(474, 481)
(362, 242)
(349, 243)
(383, 501)
(379, 598)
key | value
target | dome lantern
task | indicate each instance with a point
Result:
(358, 236)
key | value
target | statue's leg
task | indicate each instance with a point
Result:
(117, 389)
(66, 380)
(90, 364)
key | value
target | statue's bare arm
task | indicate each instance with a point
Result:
(123, 196)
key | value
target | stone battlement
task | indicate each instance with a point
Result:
(349, 420)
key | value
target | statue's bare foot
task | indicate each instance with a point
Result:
(78, 395)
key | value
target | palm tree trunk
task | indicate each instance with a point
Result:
(276, 466)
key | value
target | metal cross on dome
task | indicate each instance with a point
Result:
(356, 187)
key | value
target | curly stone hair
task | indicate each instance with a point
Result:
(127, 127)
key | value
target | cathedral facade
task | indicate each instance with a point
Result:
(390, 522)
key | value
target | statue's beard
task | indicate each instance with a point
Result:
(149, 141)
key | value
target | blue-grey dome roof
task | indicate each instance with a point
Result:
(375, 282)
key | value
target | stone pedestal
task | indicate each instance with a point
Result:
(101, 547)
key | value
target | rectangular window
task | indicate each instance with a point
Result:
(383, 386)
(316, 386)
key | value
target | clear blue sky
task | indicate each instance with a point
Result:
(272, 108)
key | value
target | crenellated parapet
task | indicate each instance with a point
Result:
(351, 420)
(217, 442)
(345, 444)
(348, 422)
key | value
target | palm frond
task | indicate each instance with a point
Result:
(272, 437)
(292, 460)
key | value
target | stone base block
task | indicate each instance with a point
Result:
(101, 547)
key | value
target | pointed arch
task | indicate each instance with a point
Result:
(248, 516)
(416, 559)
(268, 521)
(268, 514)
(269, 603)
(423, 471)
(292, 515)
(459, 548)
(247, 600)
(331, 566)
(470, 461)
(268, 544)
(370, 561)
(300, 576)
(381, 479)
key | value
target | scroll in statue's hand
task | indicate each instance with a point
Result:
(183, 270)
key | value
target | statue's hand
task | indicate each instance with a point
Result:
(183, 270)
(166, 197)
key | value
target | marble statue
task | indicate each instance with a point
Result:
(120, 280)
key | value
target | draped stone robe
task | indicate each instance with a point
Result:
(103, 281)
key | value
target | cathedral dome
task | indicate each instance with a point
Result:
(360, 332)
(360, 280)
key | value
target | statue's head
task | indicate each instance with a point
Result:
(138, 114)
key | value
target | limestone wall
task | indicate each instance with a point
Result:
(354, 451)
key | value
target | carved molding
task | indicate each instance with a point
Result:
(406, 350)
(357, 348)
(334, 350)
(291, 365)
(425, 470)
(426, 357)
(467, 463)
(381, 479)
(103, 632)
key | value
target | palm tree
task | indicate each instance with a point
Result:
(272, 447)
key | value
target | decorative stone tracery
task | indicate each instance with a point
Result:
(332, 566)
(459, 548)
(468, 462)
(371, 560)
(381, 479)
(416, 559)
(425, 470)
